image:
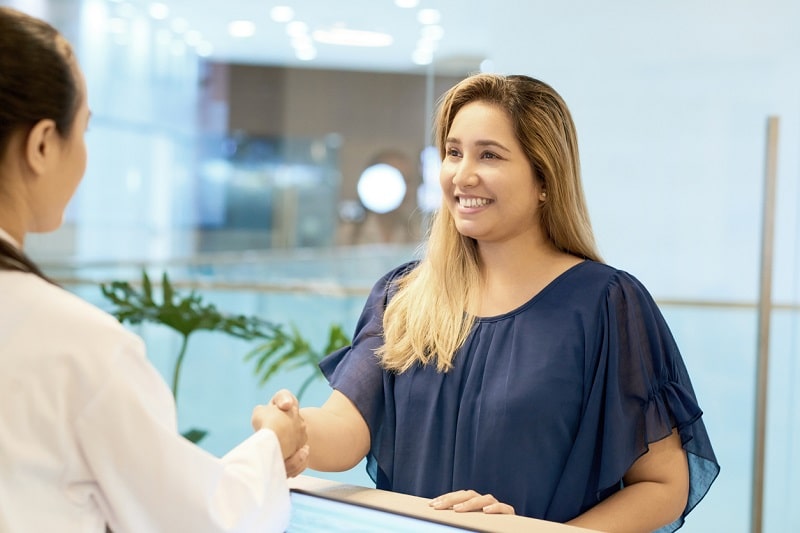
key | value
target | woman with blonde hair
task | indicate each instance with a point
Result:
(510, 370)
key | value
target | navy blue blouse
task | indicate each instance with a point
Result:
(546, 407)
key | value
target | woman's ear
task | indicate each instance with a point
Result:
(41, 145)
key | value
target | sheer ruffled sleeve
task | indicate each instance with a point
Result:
(647, 392)
(355, 370)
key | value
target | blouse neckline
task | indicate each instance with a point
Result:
(547, 288)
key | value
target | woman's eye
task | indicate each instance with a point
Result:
(452, 152)
(489, 155)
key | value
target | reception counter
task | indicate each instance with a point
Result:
(380, 501)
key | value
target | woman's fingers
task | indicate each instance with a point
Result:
(463, 501)
(451, 499)
(498, 508)
(297, 462)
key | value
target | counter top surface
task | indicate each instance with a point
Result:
(418, 507)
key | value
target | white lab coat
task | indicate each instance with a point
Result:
(88, 432)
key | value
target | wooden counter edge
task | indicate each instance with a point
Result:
(416, 506)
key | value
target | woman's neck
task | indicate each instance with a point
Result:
(7, 235)
(513, 273)
(516, 255)
(13, 213)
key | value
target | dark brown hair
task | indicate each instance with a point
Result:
(37, 82)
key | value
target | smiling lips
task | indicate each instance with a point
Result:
(473, 202)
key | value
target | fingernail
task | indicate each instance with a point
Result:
(434, 503)
(458, 506)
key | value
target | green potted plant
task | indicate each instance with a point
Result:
(188, 314)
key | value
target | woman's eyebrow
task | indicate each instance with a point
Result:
(491, 143)
(480, 142)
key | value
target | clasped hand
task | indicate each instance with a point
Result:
(282, 416)
(462, 501)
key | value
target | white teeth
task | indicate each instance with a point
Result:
(473, 202)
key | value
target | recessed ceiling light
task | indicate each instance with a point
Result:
(422, 57)
(297, 28)
(305, 54)
(158, 11)
(434, 32)
(281, 13)
(241, 28)
(346, 37)
(429, 16)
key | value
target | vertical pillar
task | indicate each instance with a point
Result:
(764, 315)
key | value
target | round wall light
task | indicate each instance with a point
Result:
(381, 188)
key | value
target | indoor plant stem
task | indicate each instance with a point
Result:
(178, 362)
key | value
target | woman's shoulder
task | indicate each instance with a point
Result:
(56, 329)
(602, 275)
(400, 270)
(592, 281)
(390, 278)
(59, 311)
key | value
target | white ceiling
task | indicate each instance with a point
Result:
(271, 44)
(532, 33)
(462, 40)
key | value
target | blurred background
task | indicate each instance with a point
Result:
(274, 156)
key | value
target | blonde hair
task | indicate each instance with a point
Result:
(426, 321)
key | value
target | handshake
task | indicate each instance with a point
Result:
(282, 416)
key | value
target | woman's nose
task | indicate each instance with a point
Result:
(465, 175)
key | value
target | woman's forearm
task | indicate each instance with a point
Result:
(338, 437)
(655, 491)
(639, 508)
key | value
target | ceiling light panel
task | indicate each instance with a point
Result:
(241, 28)
(158, 10)
(281, 14)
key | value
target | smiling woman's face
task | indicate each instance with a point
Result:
(487, 181)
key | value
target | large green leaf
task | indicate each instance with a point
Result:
(184, 314)
(292, 352)
(278, 350)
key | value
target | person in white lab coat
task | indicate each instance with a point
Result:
(88, 436)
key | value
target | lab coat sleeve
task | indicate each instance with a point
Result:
(149, 478)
